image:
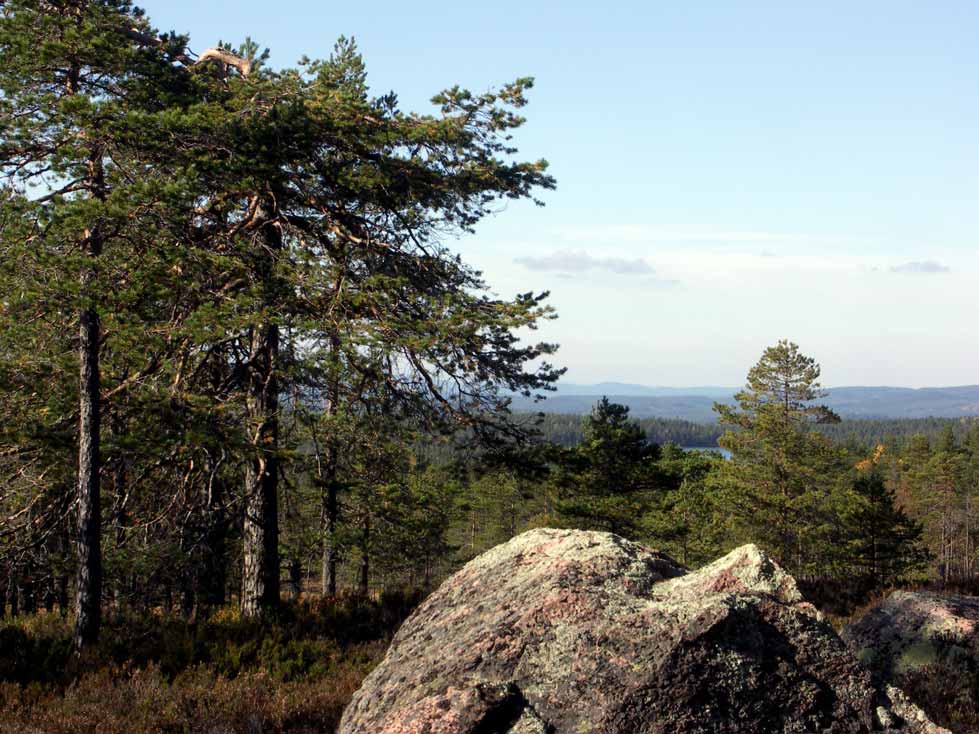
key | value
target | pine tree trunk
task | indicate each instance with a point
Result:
(14, 599)
(365, 562)
(260, 579)
(214, 569)
(88, 587)
(330, 551)
(331, 508)
(260, 575)
(88, 593)
(295, 578)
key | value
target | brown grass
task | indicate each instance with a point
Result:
(143, 701)
(155, 674)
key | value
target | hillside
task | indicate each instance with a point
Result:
(695, 403)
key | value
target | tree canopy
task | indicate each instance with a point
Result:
(227, 236)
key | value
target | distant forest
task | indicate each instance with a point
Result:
(697, 404)
(567, 430)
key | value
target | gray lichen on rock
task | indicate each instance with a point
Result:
(912, 629)
(573, 632)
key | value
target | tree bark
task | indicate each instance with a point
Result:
(214, 571)
(260, 575)
(330, 550)
(14, 599)
(365, 559)
(295, 578)
(260, 580)
(29, 591)
(88, 591)
(330, 516)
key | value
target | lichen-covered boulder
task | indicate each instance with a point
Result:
(911, 629)
(572, 632)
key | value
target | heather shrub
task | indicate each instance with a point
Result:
(141, 701)
(154, 672)
(948, 689)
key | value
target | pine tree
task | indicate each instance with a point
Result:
(359, 195)
(82, 90)
(778, 484)
(936, 480)
(608, 481)
(225, 235)
(885, 543)
(685, 520)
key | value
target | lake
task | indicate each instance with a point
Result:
(713, 449)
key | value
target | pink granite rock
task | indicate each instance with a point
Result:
(908, 629)
(573, 632)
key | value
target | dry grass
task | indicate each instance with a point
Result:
(153, 673)
(144, 701)
(947, 692)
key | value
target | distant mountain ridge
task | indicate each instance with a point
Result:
(625, 388)
(695, 403)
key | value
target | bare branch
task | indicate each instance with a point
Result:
(226, 58)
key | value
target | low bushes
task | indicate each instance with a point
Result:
(157, 673)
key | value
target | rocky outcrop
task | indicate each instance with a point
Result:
(912, 629)
(572, 632)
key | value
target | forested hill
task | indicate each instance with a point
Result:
(566, 430)
(695, 404)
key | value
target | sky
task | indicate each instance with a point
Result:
(729, 172)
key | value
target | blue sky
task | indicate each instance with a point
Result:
(729, 173)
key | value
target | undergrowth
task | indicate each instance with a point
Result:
(157, 673)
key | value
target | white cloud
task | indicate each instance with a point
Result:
(638, 234)
(579, 261)
(921, 267)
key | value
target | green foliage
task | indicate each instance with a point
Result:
(686, 520)
(783, 481)
(864, 434)
(265, 252)
(606, 481)
(567, 430)
(244, 236)
(937, 481)
(884, 542)
(493, 507)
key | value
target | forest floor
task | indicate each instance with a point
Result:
(154, 672)
(159, 673)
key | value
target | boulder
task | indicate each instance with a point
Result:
(572, 632)
(911, 629)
